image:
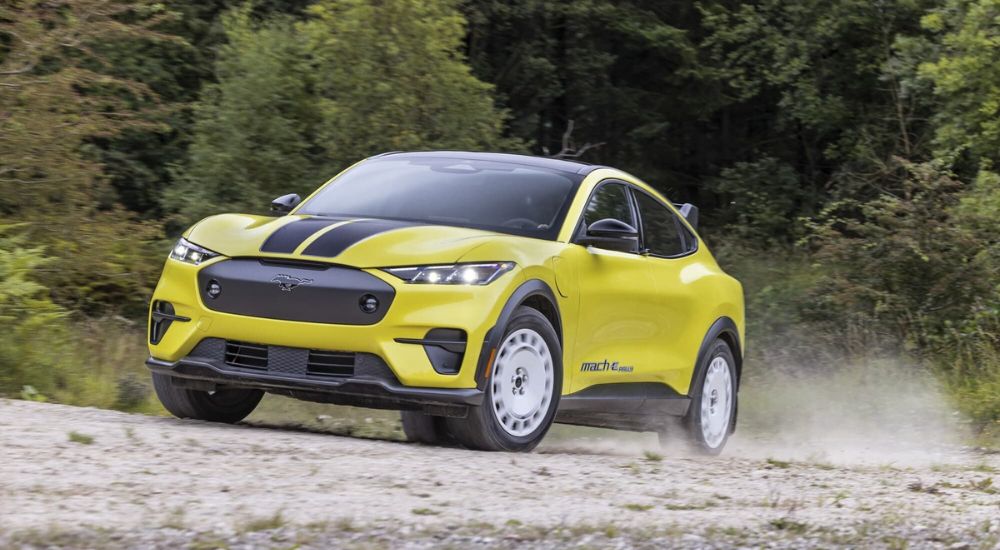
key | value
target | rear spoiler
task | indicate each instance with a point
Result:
(690, 213)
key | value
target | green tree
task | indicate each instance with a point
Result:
(626, 74)
(827, 75)
(762, 200)
(57, 95)
(965, 75)
(297, 101)
(392, 77)
(254, 135)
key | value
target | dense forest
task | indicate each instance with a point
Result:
(845, 153)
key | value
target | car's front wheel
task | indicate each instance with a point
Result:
(229, 405)
(522, 392)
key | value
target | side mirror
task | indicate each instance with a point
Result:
(611, 234)
(690, 213)
(285, 203)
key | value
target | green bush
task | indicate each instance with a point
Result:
(45, 357)
(32, 333)
(910, 275)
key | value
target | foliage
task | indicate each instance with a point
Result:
(57, 97)
(626, 74)
(43, 357)
(761, 200)
(896, 263)
(296, 102)
(28, 318)
(254, 136)
(391, 76)
(965, 76)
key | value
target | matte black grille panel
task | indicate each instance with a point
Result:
(330, 363)
(247, 356)
(309, 292)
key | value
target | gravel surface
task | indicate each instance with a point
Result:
(78, 477)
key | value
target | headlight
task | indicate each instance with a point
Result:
(191, 253)
(457, 274)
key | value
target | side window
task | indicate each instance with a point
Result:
(609, 201)
(690, 241)
(660, 229)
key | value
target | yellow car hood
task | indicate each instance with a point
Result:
(356, 242)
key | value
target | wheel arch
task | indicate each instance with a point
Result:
(723, 328)
(534, 293)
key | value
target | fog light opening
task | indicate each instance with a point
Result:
(213, 289)
(368, 303)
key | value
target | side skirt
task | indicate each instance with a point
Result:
(637, 406)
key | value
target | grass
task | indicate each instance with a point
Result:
(175, 518)
(779, 532)
(638, 507)
(96, 363)
(650, 456)
(984, 485)
(208, 543)
(685, 507)
(264, 523)
(788, 525)
(83, 439)
(424, 512)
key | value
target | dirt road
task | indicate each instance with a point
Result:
(78, 477)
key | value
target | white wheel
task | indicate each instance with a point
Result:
(716, 402)
(523, 381)
(522, 388)
(712, 414)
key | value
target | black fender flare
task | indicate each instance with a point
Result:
(527, 289)
(724, 328)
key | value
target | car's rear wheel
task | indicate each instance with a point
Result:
(424, 428)
(709, 419)
(522, 392)
(229, 405)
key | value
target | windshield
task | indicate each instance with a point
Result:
(496, 196)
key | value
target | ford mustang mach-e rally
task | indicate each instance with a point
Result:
(484, 295)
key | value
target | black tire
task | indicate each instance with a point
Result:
(481, 430)
(228, 405)
(424, 428)
(690, 426)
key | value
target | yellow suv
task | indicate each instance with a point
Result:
(484, 295)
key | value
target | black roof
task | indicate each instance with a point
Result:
(563, 165)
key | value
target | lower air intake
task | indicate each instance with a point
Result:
(246, 356)
(330, 363)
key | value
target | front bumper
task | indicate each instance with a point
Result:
(373, 386)
(415, 311)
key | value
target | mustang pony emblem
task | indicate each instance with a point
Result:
(287, 283)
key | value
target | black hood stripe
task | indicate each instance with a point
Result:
(289, 236)
(339, 239)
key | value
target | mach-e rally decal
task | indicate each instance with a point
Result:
(604, 366)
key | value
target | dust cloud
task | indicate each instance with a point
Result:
(878, 412)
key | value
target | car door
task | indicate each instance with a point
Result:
(668, 247)
(615, 322)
